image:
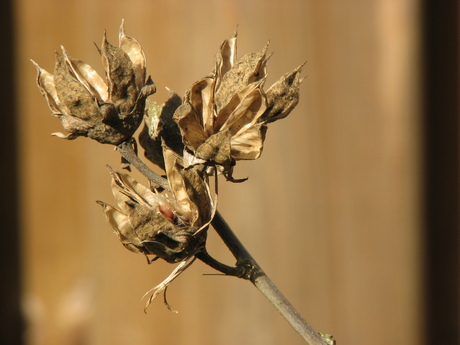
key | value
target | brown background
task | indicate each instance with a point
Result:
(331, 211)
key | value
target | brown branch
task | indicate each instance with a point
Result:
(264, 284)
(127, 151)
(235, 271)
(247, 267)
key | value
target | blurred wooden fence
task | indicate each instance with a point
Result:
(331, 210)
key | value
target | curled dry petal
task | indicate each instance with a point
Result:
(225, 58)
(134, 50)
(163, 286)
(189, 121)
(201, 97)
(191, 190)
(45, 82)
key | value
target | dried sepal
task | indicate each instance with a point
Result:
(283, 96)
(109, 112)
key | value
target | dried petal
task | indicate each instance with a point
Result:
(201, 97)
(70, 136)
(225, 58)
(120, 223)
(248, 144)
(170, 132)
(190, 124)
(177, 185)
(120, 77)
(191, 190)
(74, 98)
(155, 291)
(45, 82)
(243, 109)
(126, 189)
(134, 50)
(87, 76)
(250, 68)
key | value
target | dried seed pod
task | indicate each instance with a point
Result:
(169, 224)
(283, 96)
(223, 117)
(86, 105)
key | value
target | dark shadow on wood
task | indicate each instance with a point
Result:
(11, 322)
(441, 153)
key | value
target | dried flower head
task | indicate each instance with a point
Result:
(169, 224)
(87, 106)
(223, 117)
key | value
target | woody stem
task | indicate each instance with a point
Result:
(264, 284)
(246, 268)
(127, 151)
(237, 271)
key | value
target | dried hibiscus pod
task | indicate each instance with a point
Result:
(87, 106)
(169, 224)
(223, 117)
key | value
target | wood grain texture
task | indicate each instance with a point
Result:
(330, 210)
